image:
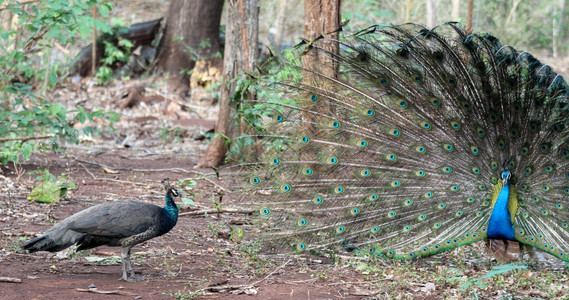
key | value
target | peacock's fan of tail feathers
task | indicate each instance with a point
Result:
(401, 153)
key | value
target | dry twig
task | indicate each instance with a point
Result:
(10, 279)
(25, 138)
(97, 291)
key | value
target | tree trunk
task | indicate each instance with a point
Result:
(455, 10)
(408, 12)
(469, 16)
(240, 55)
(322, 17)
(431, 13)
(280, 25)
(557, 28)
(189, 25)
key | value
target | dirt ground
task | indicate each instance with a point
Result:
(192, 260)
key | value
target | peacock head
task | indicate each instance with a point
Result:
(506, 175)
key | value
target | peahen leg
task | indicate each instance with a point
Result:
(131, 277)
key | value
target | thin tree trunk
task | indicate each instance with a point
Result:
(240, 55)
(431, 13)
(94, 45)
(469, 17)
(408, 12)
(455, 10)
(280, 24)
(512, 15)
(558, 28)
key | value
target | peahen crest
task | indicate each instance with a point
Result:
(425, 141)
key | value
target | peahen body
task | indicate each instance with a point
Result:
(118, 223)
(425, 140)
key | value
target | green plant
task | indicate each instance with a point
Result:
(188, 185)
(113, 54)
(16, 243)
(51, 188)
(467, 284)
(179, 295)
(171, 134)
(197, 53)
(29, 122)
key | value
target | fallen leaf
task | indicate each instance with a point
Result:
(110, 171)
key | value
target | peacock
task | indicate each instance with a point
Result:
(118, 223)
(423, 140)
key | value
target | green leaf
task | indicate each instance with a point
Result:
(497, 270)
(46, 192)
(52, 78)
(104, 10)
(188, 201)
(190, 183)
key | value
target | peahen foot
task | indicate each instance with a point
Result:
(132, 277)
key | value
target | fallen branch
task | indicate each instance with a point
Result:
(25, 138)
(97, 291)
(134, 169)
(146, 170)
(215, 211)
(170, 99)
(111, 179)
(10, 279)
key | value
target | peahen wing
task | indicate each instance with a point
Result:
(399, 153)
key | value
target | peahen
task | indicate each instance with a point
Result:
(118, 223)
(426, 140)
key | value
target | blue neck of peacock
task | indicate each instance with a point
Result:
(171, 210)
(500, 225)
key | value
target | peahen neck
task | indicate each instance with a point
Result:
(500, 225)
(170, 213)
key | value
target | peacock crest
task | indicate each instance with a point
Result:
(425, 140)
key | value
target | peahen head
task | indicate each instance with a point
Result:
(170, 195)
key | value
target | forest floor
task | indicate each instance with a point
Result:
(197, 259)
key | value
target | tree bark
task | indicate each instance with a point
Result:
(189, 25)
(240, 55)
